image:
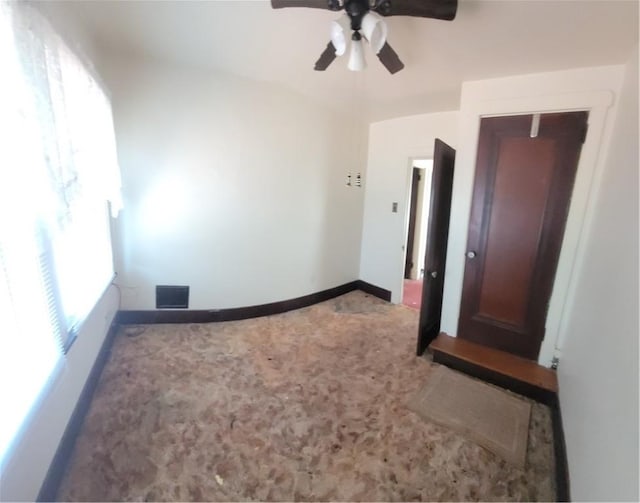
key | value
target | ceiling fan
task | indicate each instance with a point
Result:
(363, 19)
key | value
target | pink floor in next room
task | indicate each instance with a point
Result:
(412, 293)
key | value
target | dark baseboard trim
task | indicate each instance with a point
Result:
(541, 395)
(563, 492)
(243, 313)
(374, 290)
(232, 314)
(58, 466)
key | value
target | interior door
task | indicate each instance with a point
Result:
(436, 252)
(413, 206)
(525, 170)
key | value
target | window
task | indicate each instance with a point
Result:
(58, 176)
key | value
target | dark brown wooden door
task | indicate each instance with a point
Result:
(436, 253)
(520, 203)
(408, 261)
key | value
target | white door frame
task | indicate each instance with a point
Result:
(588, 175)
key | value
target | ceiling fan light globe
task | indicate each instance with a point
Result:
(339, 30)
(356, 62)
(375, 30)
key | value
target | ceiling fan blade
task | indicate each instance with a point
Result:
(436, 9)
(326, 58)
(390, 59)
(314, 4)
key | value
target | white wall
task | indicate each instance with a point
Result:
(236, 188)
(28, 461)
(598, 372)
(392, 146)
(593, 89)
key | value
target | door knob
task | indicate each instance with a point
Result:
(433, 274)
(471, 254)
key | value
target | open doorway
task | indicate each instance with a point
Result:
(416, 238)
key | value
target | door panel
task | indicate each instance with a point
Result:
(520, 203)
(509, 256)
(437, 236)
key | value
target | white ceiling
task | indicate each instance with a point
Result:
(487, 39)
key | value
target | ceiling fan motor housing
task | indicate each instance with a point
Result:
(356, 10)
(367, 12)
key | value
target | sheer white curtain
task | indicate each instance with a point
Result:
(58, 172)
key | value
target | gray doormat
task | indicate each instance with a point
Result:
(488, 416)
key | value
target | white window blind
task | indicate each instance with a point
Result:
(58, 174)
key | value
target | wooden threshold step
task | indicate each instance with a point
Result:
(498, 367)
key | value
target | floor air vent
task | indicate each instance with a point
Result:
(172, 297)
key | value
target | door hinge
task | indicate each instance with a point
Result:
(555, 361)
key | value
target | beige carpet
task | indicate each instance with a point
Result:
(485, 414)
(306, 405)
